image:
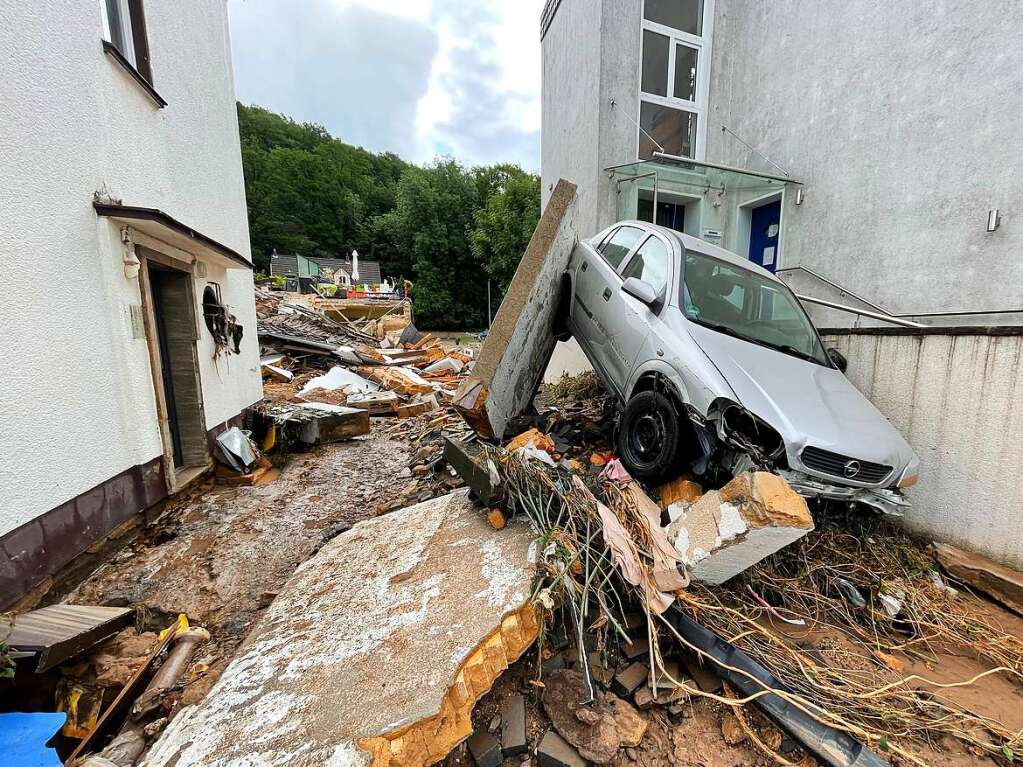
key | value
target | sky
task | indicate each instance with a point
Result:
(420, 78)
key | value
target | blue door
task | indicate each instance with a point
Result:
(765, 225)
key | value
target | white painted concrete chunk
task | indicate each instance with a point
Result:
(365, 638)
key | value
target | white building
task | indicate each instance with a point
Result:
(872, 141)
(124, 239)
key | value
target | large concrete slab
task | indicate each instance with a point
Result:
(520, 342)
(374, 652)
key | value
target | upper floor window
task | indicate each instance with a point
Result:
(684, 15)
(124, 27)
(673, 84)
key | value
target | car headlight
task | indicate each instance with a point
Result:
(742, 426)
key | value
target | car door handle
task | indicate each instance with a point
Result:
(586, 265)
(607, 294)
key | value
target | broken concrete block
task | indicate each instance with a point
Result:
(485, 749)
(472, 466)
(555, 751)
(629, 679)
(521, 340)
(728, 531)
(317, 423)
(375, 651)
(513, 726)
(600, 673)
(636, 649)
(378, 403)
(1002, 584)
(679, 490)
(399, 379)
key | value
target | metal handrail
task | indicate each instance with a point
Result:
(860, 312)
(836, 286)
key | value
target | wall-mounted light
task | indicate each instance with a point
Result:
(799, 196)
(994, 219)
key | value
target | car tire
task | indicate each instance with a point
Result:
(648, 436)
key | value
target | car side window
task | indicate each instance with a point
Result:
(620, 244)
(650, 264)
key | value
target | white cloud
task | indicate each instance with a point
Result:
(416, 77)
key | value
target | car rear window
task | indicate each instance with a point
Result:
(616, 247)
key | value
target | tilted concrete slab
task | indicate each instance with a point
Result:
(728, 531)
(375, 651)
(520, 341)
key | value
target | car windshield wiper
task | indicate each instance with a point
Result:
(783, 348)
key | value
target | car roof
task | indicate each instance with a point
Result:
(688, 242)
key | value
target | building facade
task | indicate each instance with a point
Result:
(866, 152)
(129, 317)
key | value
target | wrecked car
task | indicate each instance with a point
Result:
(719, 369)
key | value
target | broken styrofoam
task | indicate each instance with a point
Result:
(728, 531)
(339, 377)
(445, 364)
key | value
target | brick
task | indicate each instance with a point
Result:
(556, 752)
(629, 679)
(513, 726)
(638, 648)
(485, 749)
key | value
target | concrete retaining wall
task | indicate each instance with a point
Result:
(956, 395)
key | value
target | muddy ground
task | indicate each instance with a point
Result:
(220, 554)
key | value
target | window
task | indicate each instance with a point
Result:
(685, 15)
(650, 264)
(673, 129)
(620, 244)
(673, 86)
(124, 27)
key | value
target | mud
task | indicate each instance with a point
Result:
(219, 554)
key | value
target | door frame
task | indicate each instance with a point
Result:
(744, 224)
(153, 250)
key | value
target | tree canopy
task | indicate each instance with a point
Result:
(445, 227)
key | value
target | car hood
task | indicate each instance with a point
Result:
(808, 404)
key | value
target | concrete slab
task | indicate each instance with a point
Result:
(520, 342)
(374, 652)
(728, 531)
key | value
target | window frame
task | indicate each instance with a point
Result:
(634, 254)
(629, 254)
(703, 44)
(133, 28)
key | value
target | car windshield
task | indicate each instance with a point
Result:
(744, 304)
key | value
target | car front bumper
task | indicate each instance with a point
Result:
(885, 500)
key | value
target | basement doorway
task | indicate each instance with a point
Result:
(172, 332)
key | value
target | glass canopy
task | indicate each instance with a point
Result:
(712, 202)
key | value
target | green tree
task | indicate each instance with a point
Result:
(505, 222)
(430, 225)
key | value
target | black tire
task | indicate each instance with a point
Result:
(648, 437)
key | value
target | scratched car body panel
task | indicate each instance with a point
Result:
(740, 359)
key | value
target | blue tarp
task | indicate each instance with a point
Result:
(23, 739)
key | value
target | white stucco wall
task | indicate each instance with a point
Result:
(958, 399)
(76, 396)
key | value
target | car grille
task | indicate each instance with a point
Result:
(838, 465)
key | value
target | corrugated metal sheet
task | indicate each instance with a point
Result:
(60, 632)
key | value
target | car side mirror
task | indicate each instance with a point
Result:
(838, 358)
(641, 291)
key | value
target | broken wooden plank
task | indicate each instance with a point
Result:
(401, 380)
(60, 632)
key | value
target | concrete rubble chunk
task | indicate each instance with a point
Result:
(555, 751)
(485, 749)
(520, 341)
(1001, 583)
(374, 652)
(728, 531)
(513, 726)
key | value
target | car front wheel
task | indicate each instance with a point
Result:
(648, 436)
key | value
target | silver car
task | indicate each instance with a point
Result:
(720, 370)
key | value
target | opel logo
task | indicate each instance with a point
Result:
(852, 468)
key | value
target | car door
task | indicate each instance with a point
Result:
(631, 327)
(598, 297)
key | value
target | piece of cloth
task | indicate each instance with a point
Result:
(667, 559)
